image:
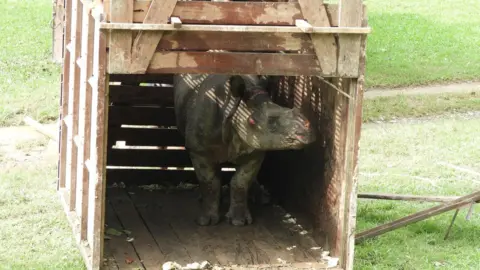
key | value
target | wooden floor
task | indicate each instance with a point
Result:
(161, 227)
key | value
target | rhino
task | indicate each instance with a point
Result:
(231, 118)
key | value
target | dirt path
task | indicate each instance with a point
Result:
(467, 87)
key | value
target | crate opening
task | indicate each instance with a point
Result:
(152, 193)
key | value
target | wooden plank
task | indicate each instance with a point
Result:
(230, 41)
(136, 79)
(245, 13)
(144, 157)
(349, 45)
(119, 115)
(58, 24)
(140, 177)
(84, 119)
(120, 250)
(355, 124)
(144, 243)
(422, 215)
(401, 197)
(120, 43)
(145, 43)
(64, 98)
(96, 188)
(245, 63)
(325, 45)
(150, 27)
(141, 95)
(145, 136)
(158, 223)
(74, 92)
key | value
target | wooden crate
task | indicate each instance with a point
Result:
(118, 127)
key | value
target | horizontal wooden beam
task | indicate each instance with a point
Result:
(234, 28)
(422, 215)
(245, 63)
(398, 197)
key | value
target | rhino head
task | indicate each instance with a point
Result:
(267, 125)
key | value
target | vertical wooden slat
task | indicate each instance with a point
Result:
(84, 119)
(120, 54)
(147, 41)
(73, 95)
(353, 14)
(350, 14)
(325, 46)
(64, 96)
(98, 147)
(57, 35)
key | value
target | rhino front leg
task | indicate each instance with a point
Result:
(247, 169)
(210, 188)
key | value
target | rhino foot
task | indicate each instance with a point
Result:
(206, 220)
(239, 217)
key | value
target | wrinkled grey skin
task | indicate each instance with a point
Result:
(211, 139)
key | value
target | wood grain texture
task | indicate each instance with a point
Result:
(267, 42)
(145, 43)
(145, 136)
(169, 217)
(349, 45)
(325, 45)
(144, 157)
(141, 95)
(119, 115)
(84, 120)
(245, 63)
(241, 13)
(120, 43)
(64, 97)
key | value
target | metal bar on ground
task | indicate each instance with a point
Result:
(401, 197)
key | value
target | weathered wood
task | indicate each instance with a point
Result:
(136, 79)
(233, 28)
(64, 96)
(246, 13)
(120, 43)
(267, 42)
(145, 43)
(57, 35)
(422, 215)
(144, 157)
(325, 46)
(74, 93)
(116, 245)
(144, 243)
(96, 188)
(406, 197)
(349, 45)
(145, 136)
(84, 120)
(245, 63)
(141, 95)
(138, 177)
(119, 115)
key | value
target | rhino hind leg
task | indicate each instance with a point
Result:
(247, 169)
(210, 189)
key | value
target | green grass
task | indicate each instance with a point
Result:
(34, 232)
(388, 108)
(420, 42)
(29, 81)
(403, 159)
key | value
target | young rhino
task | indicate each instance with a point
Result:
(214, 135)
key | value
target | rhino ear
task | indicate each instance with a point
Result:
(237, 86)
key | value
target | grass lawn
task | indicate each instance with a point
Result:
(414, 42)
(35, 234)
(419, 42)
(403, 159)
